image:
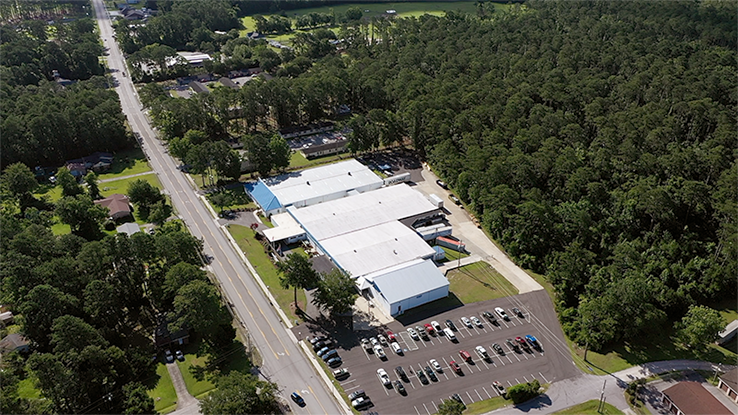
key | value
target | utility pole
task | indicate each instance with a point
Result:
(602, 398)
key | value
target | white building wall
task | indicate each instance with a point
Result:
(401, 306)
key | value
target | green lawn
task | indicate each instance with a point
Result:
(297, 160)
(194, 386)
(240, 199)
(254, 251)
(590, 408)
(27, 389)
(121, 186)
(487, 405)
(479, 282)
(126, 163)
(452, 255)
(61, 228)
(164, 395)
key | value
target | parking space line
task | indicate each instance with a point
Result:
(470, 398)
(426, 409)
(460, 333)
(434, 406)
(508, 358)
(517, 381)
(480, 396)
(525, 379)
(416, 409)
(485, 391)
(485, 363)
(351, 388)
(544, 378)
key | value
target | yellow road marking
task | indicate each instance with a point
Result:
(316, 398)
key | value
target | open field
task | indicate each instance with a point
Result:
(254, 251)
(127, 163)
(479, 282)
(487, 405)
(165, 398)
(121, 186)
(590, 408)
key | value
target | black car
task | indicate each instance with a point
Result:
(517, 311)
(489, 316)
(422, 377)
(450, 324)
(498, 349)
(399, 387)
(319, 345)
(441, 184)
(316, 339)
(512, 345)
(457, 398)
(401, 373)
(297, 398)
(329, 355)
(335, 361)
(431, 374)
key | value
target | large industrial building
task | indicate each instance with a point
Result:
(365, 229)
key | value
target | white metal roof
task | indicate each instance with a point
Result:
(349, 214)
(284, 231)
(408, 280)
(321, 181)
(375, 248)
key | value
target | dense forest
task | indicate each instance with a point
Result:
(44, 123)
(594, 140)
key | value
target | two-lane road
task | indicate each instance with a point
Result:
(283, 361)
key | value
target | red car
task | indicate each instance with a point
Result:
(391, 336)
(465, 355)
(522, 343)
(429, 328)
(455, 367)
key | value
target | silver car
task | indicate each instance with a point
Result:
(467, 322)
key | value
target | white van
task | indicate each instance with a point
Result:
(449, 334)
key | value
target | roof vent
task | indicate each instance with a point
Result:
(308, 183)
(349, 173)
(395, 251)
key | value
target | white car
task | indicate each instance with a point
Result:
(500, 312)
(379, 351)
(467, 322)
(396, 348)
(374, 341)
(476, 321)
(481, 352)
(384, 377)
(437, 327)
(413, 333)
(383, 340)
(434, 363)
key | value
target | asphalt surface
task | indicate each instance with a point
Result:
(283, 361)
(552, 363)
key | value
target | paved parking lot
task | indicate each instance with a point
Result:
(550, 364)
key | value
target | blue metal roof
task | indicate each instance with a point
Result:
(262, 195)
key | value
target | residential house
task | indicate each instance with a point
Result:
(199, 87)
(14, 342)
(303, 130)
(118, 205)
(164, 338)
(729, 384)
(691, 398)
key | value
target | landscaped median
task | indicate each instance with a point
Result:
(590, 408)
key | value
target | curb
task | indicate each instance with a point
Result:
(325, 378)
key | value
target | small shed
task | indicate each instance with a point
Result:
(14, 342)
(128, 228)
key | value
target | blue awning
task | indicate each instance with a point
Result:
(262, 195)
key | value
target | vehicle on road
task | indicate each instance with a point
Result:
(499, 388)
(533, 341)
(457, 398)
(361, 403)
(498, 349)
(414, 334)
(477, 321)
(517, 312)
(391, 336)
(297, 398)
(436, 365)
(436, 326)
(450, 324)
(341, 373)
(384, 377)
(429, 329)
(396, 348)
(500, 312)
(379, 351)
(422, 377)
(450, 334)
(456, 368)
(179, 355)
(400, 388)
(465, 355)
(522, 343)
(466, 322)
(512, 345)
(431, 374)
(482, 352)
(489, 316)
(382, 340)
(356, 394)
(329, 355)
(168, 356)
(401, 373)
(442, 184)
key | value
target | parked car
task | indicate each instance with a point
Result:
(391, 336)
(379, 351)
(341, 373)
(476, 321)
(168, 356)
(465, 355)
(396, 348)
(399, 387)
(441, 184)
(450, 334)
(384, 377)
(421, 331)
(457, 398)
(422, 377)
(436, 326)
(414, 334)
(502, 313)
(366, 344)
(374, 341)
(401, 373)
(466, 322)
(450, 324)
(498, 349)
(455, 366)
(361, 403)
(522, 343)
(489, 316)
(482, 352)
(454, 199)
(436, 365)
(499, 388)
(356, 394)
(316, 339)
(297, 398)
(382, 340)
(431, 374)
(329, 355)
(323, 351)
(321, 344)
(179, 355)
(512, 345)
(429, 329)
(532, 341)
(517, 312)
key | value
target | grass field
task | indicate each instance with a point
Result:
(239, 197)
(590, 408)
(121, 186)
(126, 163)
(298, 160)
(194, 386)
(479, 282)
(164, 396)
(487, 405)
(452, 255)
(254, 251)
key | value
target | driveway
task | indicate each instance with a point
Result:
(184, 399)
